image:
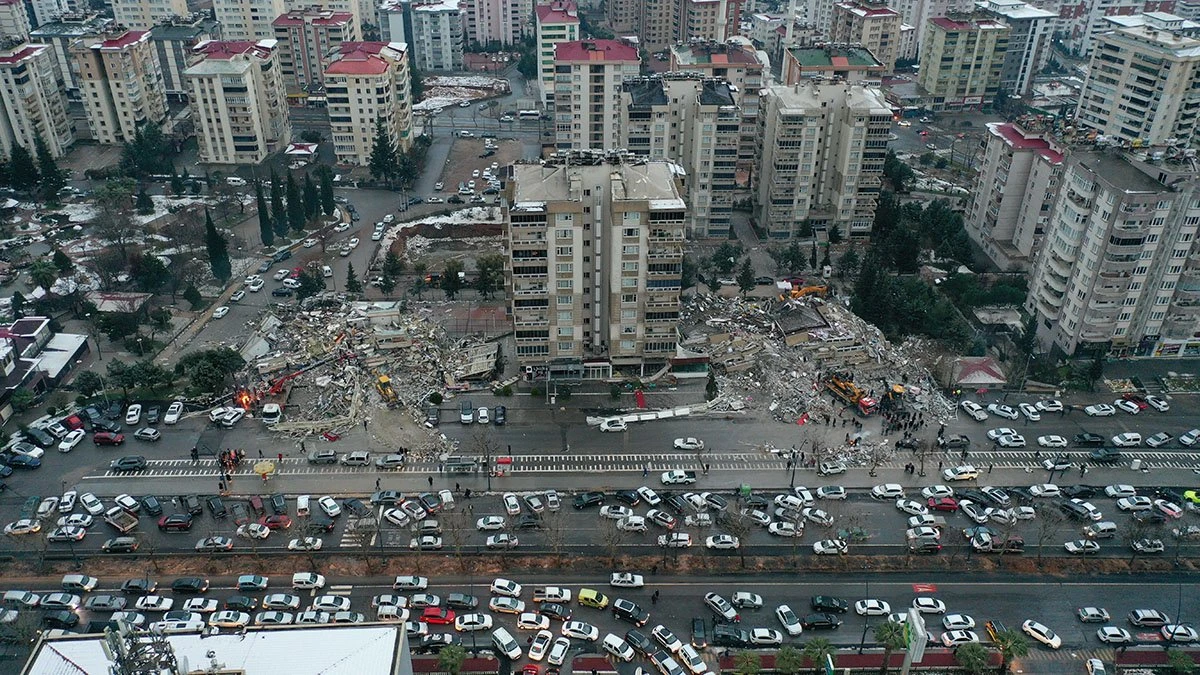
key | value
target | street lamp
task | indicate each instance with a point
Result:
(140, 351)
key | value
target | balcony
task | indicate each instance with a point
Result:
(1055, 283)
(530, 290)
(1095, 335)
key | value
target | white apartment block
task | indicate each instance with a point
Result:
(873, 25)
(1141, 86)
(595, 251)
(557, 22)
(145, 14)
(1014, 191)
(32, 100)
(438, 36)
(822, 152)
(1028, 41)
(712, 20)
(248, 19)
(499, 22)
(1119, 269)
(587, 92)
(238, 101)
(14, 20)
(47, 11)
(366, 83)
(120, 82)
(1082, 21)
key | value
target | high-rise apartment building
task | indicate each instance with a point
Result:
(145, 14)
(120, 82)
(248, 19)
(173, 42)
(1143, 84)
(502, 22)
(14, 20)
(826, 61)
(659, 24)
(587, 91)
(595, 261)
(822, 152)
(368, 85)
(1082, 21)
(962, 59)
(238, 101)
(32, 101)
(1028, 41)
(871, 24)
(432, 30)
(696, 123)
(60, 35)
(710, 20)
(557, 22)
(1014, 191)
(1119, 268)
(306, 38)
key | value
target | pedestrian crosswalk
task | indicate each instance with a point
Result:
(1067, 654)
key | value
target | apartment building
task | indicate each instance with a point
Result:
(145, 14)
(32, 101)
(962, 58)
(14, 20)
(1082, 21)
(1119, 269)
(595, 247)
(1014, 191)
(497, 22)
(711, 20)
(238, 101)
(1028, 41)
(366, 83)
(741, 65)
(587, 91)
(306, 37)
(557, 22)
(696, 123)
(173, 42)
(433, 32)
(873, 25)
(822, 152)
(120, 83)
(248, 19)
(853, 64)
(1141, 86)
(60, 35)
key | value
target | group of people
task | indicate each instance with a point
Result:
(902, 421)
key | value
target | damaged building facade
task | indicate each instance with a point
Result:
(595, 245)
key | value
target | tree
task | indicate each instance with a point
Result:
(891, 636)
(1180, 662)
(813, 256)
(392, 264)
(21, 400)
(295, 205)
(325, 188)
(745, 277)
(849, 261)
(451, 281)
(218, 250)
(387, 284)
(353, 283)
(725, 257)
(490, 275)
(383, 161)
(209, 369)
(687, 273)
(62, 262)
(710, 389)
(52, 178)
(147, 154)
(788, 660)
(1012, 645)
(18, 304)
(451, 658)
(834, 235)
(312, 198)
(972, 657)
(746, 663)
(22, 170)
(178, 187)
(264, 216)
(279, 214)
(311, 282)
(816, 651)
(192, 295)
(148, 272)
(44, 273)
(419, 269)
(117, 325)
(143, 204)
(113, 223)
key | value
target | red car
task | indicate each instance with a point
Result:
(437, 616)
(275, 522)
(108, 438)
(176, 522)
(1137, 399)
(531, 669)
(942, 504)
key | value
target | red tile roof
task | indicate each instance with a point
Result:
(358, 58)
(223, 50)
(1013, 136)
(563, 11)
(124, 40)
(595, 50)
(23, 53)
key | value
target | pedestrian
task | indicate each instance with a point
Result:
(1037, 454)
(645, 470)
(456, 488)
(302, 450)
(280, 457)
(1082, 470)
(364, 425)
(376, 483)
(654, 570)
(260, 455)
(430, 479)
(990, 467)
(802, 457)
(939, 465)
(264, 477)
(654, 598)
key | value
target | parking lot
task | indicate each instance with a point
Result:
(465, 158)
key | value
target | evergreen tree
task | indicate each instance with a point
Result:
(264, 216)
(387, 284)
(325, 179)
(383, 161)
(62, 261)
(279, 219)
(295, 205)
(312, 199)
(23, 174)
(18, 304)
(177, 185)
(52, 178)
(218, 249)
(745, 277)
(143, 204)
(353, 285)
(392, 264)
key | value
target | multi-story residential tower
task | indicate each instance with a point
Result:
(870, 24)
(306, 38)
(248, 19)
(1018, 178)
(502, 22)
(1119, 267)
(238, 101)
(368, 83)
(144, 14)
(962, 60)
(1143, 85)
(1082, 21)
(60, 35)
(14, 20)
(823, 146)
(32, 101)
(595, 257)
(850, 63)
(173, 42)
(587, 91)
(1028, 41)
(557, 22)
(710, 20)
(121, 84)
(433, 31)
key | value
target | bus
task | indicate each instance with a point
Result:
(528, 114)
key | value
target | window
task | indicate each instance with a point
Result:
(564, 250)
(565, 284)
(566, 346)
(629, 298)
(1125, 316)
(629, 250)
(567, 300)
(564, 233)
(628, 345)
(566, 331)
(628, 315)
(1157, 316)
(629, 267)
(564, 268)
(629, 232)
(630, 282)
(564, 317)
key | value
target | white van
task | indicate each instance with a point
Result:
(1102, 530)
(617, 647)
(80, 583)
(447, 499)
(326, 271)
(391, 614)
(21, 599)
(506, 644)
(235, 181)
(301, 506)
(307, 580)
(271, 413)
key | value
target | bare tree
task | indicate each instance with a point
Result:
(556, 532)
(1133, 532)
(113, 222)
(739, 527)
(457, 528)
(1050, 524)
(612, 536)
(877, 454)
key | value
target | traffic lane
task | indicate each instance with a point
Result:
(1179, 419)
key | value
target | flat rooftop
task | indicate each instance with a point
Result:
(648, 181)
(835, 57)
(1116, 171)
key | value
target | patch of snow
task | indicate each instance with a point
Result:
(467, 216)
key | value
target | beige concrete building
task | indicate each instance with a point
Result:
(32, 100)
(875, 26)
(248, 19)
(827, 61)
(120, 82)
(557, 22)
(711, 20)
(962, 59)
(173, 43)
(437, 36)
(1141, 86)
(60, 35)
(306, 38)
(367, 82)
(145, 14)
(498, 22)
(822, 152)
(238, 101)
(14, 20)
(587, 91)
(595, 250)
(741, 65)
(1028, 41)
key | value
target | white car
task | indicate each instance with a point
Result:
(675, 540)
(615, 512)
(632, 524)
(1052, 441)
(1082, 547)
(937, 492)
(220, 312)
(1128, 406)
(830, 547)
(831, 492)
(506, 588)
(649, 496)
(398, 517)
(200, 605)
(995, 434)
(532, 621)
(819, 517)
(1012, 441)
(958, 622)
(974, 410)
(490, 523)
(154, 603)
(558, 651)
(133, 415)
(1188, 439)
(305, 544)
(765, 637)
(512, 505)
(1041, 633)
(1158, 440)
(1168, 509)
(329, 506)
(1046, 490)
(785, 529)
(1135, 503)
(291, 283)
(580, 631)
(540, 645)
(692, 444)
(82, 520)
(91, 503)
(887, 491)
(722, 542)
(71, 440)
(912, 508)
(1174, 632)
(23, 526)
(1114, 635)
(237, 296)
(953, 638)
(330, 603)
(483, 416)
(1128, 439)
(964, 472)
(626, 580)
(613, 425)
(1158, 404)
(1100, 410)
(1001, 410)
(281, 601)
(872, 607)
(927, 605)
(472, 622)
(666, 638)
(1049, 405)
(1030, 411)
(1120, 491)
(789, 620)
(229, 619)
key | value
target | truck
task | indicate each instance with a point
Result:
(384, 386)
(846, 391)
(121, 520)
(552, 594)
(678, 477)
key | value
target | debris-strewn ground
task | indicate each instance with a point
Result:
(443, 91)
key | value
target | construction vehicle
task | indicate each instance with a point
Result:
(803, 292)
(848, 393)
(384, 386)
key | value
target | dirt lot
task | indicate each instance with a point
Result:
(465, 157)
